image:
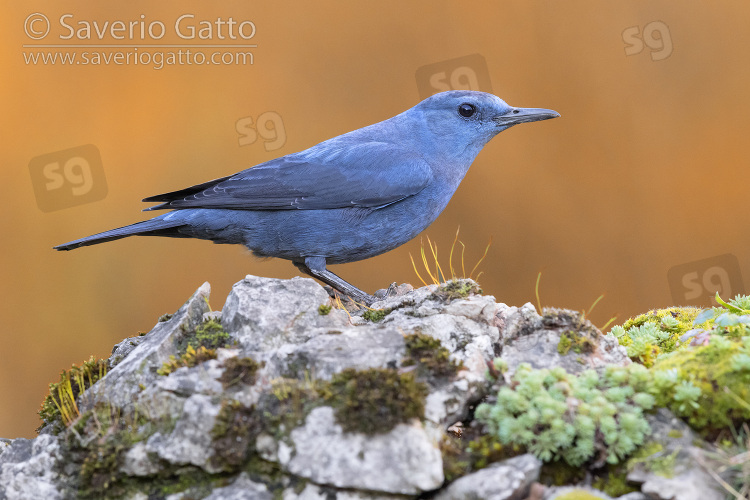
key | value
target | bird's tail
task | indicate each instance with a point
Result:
(154, 227)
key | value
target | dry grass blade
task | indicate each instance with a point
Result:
(414, 265)
(450, 257)
(536, 291)
(435, 272)
(486, 249)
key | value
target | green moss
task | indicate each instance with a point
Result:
(94, 449)
(165, 317)
(457, 289)
(211, 335)
(653, 459)
(564, 345)
(198, 346)
(560, 473)
(99, 469)
(271, 474)
(289, 402)
(59, 407)
(375, 400)
(324, 309)
(187, 482)
(193, 479)
(705, 385)
(375, 315)
(614, 484)
(674, 434)
(239, 371)
(460, 458)
(428, 352)
(580, 343)
(233, 435)
(190, 358)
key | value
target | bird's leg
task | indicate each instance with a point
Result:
(316, 267)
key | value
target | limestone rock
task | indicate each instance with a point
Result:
(267, 398)
(686, 479)
(404, 460)
(506, 480)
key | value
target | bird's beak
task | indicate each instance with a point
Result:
(522, 115)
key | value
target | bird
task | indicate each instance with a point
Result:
(345, 199)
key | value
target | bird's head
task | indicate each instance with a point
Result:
(470, 119)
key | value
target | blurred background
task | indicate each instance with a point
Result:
(635, 192)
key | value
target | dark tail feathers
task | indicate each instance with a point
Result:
(153, 227)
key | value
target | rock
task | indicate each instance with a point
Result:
(27, 469)
(278, 395)
(675, 472)
(138, 368)
(315, 492)
(138, 461)
(351, 347)
(507, 480)
(190, 442)
(404, 460)
(241, 489)
(265, 314)
(558, 338)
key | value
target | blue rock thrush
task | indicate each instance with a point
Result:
(346, 199)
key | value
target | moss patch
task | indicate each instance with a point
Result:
(190, 358)
(239, 371)
(375, 315)
(709, 385)
(461, 457)
(198, 347)
(95, 446)
(233, 435)
(376, 400)
(59, 407)
(429, 354)
(211, 335)
(289, 402)
(324, 309)
(579, 343)
(456, 289)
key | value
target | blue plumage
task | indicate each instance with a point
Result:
(348, 198)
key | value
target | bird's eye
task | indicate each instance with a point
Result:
(466, 110)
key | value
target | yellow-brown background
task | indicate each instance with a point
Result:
(645, 170)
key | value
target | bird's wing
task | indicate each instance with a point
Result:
(369, 175)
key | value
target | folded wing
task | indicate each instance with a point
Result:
(369, 175)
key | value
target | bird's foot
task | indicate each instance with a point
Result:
(383, 293)
(351, 299)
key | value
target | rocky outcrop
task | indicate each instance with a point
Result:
(281, 395)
